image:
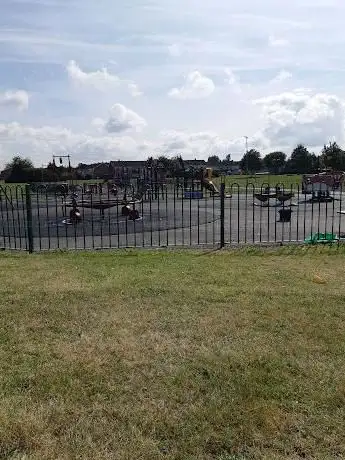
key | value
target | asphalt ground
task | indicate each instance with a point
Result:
(170, 221)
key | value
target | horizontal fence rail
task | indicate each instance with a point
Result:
(49, 217)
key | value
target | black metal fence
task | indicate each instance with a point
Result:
(166, 215)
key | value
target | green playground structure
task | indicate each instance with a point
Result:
(322, 238)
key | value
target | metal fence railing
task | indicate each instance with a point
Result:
(48, 218)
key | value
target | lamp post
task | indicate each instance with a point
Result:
(246, 140)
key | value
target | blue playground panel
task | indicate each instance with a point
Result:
(193, 195)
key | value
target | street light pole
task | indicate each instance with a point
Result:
(246, 139)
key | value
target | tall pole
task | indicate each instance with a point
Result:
(246, 139)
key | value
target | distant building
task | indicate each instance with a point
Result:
(5, 174)
(127, 169)
(196, 163)
(103, 171)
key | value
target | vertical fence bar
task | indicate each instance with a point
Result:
(83, 218)
(304, 214)
(340, 211)
(18, 219)
(206, 216)
(167, 216)
(175, 193)
(14, 226)
(57, 219)
(150, 208)
(23, 217)
(238, 215)
(198, 217)
(222, 215)
(2, 219)
(29, 219)
(38, 204)
(8, 219)
(213, 219)
(47, 216)
(230, 214)
(245, 214)
(182, 211)
(333, 212)
(190, 214)
(159, 214)
(297, 217)
(253, 216)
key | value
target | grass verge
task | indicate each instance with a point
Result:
(285, 181)
(173, 355)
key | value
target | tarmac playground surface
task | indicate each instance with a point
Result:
(169, 222)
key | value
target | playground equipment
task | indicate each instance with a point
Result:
(93, 188)
(207, 182)
(280, 196)
(198, 181)
(285, 215)
(128, 201)
(321, 185)
(4, 195)
(74, 214)
(322, 238)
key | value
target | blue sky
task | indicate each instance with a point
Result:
(103, 80)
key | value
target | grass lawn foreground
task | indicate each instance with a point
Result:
(173, 355)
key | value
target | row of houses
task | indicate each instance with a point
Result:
(134, 168)
(128, 169)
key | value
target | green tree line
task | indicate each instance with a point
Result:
(301, 161)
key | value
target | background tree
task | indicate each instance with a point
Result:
(227, 162)
(251, 161)
(150, 162)
(228, 158)
(177, 167)
(166, 163)
(333, 156)
(22, 169)
(214, 160)
(275, 162)
(301, 161)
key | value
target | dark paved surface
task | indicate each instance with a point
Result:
(168, 222)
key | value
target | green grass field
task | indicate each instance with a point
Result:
(286, 181)
(173, 355)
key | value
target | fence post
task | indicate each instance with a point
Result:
(222, 215)
(29, 218)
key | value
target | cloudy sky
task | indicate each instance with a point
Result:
(108, 80)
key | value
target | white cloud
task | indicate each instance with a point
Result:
(275, 41)
(197, 86)
(101, 80)
(134, 90)
(283, 75)
(175, 50)
(15, 99)
(231, 78)
(301, 116)
(40, 143)
(122, 119)
(236, 44)
(195, 145)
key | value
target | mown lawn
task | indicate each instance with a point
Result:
(287, 181)
(173, 355)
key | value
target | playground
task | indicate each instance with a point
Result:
(189, 212)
